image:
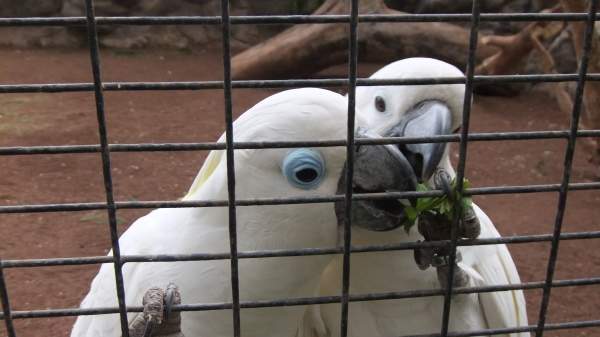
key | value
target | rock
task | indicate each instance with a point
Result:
(563, 52)
(102, 7)
(444, 6)
(9, 8)
(25, 37)
(278, 7)
(156, 7)
(132, 37)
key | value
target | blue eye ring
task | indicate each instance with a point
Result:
(303, 168)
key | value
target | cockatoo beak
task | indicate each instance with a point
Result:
(428, 118)
(377, 168)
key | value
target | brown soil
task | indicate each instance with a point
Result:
(190, 116)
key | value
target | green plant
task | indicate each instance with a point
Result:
(437, 206)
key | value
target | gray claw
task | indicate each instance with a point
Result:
(442, 267)
(147, 329)
(172, 297)
(158, 319)
(172, 321)
(153, 305)
(423, 257)
(470, 227)
(436, 227)
(461, 278)
(143, 324)
(442, 181)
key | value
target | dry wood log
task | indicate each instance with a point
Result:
(305, 49)
(514, 49)
(591, 115)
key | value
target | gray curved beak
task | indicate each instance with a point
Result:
(428, 118)
(377, 168)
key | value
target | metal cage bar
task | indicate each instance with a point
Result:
(462, 161)
(287, 19)
(311, 300)
(72, 261)
(235, 288)
(75, 207)
(352, 74)
(155, 147)
(6, 312)
(568, 165)
(351, 82)
(92, 36)
(296, 83)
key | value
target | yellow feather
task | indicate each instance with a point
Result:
(210, 164)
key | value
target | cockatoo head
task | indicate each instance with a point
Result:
(302, 115)
(414, 110)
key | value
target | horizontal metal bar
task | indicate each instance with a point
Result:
(21, 314)
(72, 207)
(200, 85)
(284, 19)
(154, 147)
(466, 17)
(529, 328)
(73, 261)
(274, 84)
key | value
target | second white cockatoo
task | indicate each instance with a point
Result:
(413, 111)
(294, 115)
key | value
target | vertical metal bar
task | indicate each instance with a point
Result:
(235, 289)
(10, 328)
(462, 160)
(352, 66)
(569, 153)
(105, 153)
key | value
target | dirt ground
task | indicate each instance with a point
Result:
(191, 116)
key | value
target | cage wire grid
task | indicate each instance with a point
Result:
(351, 82)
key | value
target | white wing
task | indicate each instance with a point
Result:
(312, 323)
(505, 309)
(155, 233)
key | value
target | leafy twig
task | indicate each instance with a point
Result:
(442, 205)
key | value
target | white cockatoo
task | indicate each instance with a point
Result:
(420, 110)
(293, 115)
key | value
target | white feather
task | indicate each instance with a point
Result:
(397, 271)
(296, 115)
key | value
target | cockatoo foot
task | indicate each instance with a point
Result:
(437, 227)
(460, 279)
(158, 319)
(468, 227)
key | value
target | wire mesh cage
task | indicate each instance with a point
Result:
(353, 20)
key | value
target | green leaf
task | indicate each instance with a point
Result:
(466, 184)
(422, 204)
(467, 202)
(422, 188)
(411, 213)
(445, 207)
(411, 218)
(441, 205)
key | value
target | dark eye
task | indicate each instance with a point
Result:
(307, 175)
(379, 104)
(304, 168)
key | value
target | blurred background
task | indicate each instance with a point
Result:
(35, 55)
